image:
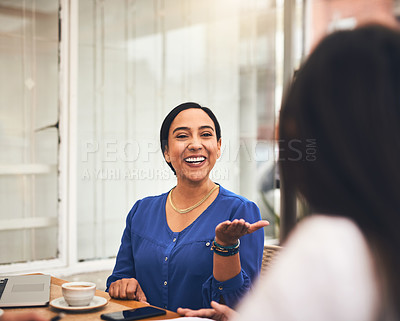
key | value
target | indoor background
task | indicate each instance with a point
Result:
(85, 85)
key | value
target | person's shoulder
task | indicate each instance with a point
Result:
(327, 254)
(324, 271)
(326, 226)
(336, 236)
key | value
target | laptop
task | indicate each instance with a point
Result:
(24, 290)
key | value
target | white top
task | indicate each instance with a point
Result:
(324, 272)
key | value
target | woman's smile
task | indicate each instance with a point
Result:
(195, 160)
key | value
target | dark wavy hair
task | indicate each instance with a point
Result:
(346, 99)
(164, 132)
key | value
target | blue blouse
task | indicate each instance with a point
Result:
(175, 269)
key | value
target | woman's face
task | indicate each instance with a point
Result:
(192, 147)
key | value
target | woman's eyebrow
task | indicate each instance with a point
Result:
(188, 128)
(206, 127)
(180, 128)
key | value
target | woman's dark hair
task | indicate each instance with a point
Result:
(170, 118)
(340, 139)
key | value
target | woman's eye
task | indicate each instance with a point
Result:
(206, 134)
(181, 136)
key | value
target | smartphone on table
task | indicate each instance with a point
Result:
(133, 314)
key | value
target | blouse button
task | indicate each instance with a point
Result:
(165, 282)
(166, 258)
(208, 244)
(174, 239)
(220, 288)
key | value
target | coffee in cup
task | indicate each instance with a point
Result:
(78, 293)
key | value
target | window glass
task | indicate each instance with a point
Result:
(28, 130)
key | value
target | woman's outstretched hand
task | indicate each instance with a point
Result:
(218, 312)
(127, 289)
(227, 233)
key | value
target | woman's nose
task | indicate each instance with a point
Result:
(195, 144)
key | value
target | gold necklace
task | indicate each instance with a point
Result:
(187, 210)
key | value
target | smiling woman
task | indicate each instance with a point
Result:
(165, 257)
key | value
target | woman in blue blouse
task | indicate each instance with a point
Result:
(181, 248)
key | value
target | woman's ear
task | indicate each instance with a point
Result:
(219, 148)
(166, 155)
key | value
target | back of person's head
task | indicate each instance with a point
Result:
(340, 136)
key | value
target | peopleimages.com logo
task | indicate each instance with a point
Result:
(298, 150)
(243, 150)
(113, 160)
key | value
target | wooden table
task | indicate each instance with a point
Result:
(112, 306)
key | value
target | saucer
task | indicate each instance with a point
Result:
(96, 302)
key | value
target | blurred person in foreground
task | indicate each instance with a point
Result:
(342, 262)
(20, 316)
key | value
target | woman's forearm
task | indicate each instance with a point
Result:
(226, 267)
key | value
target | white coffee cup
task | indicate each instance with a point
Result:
(78, 293)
